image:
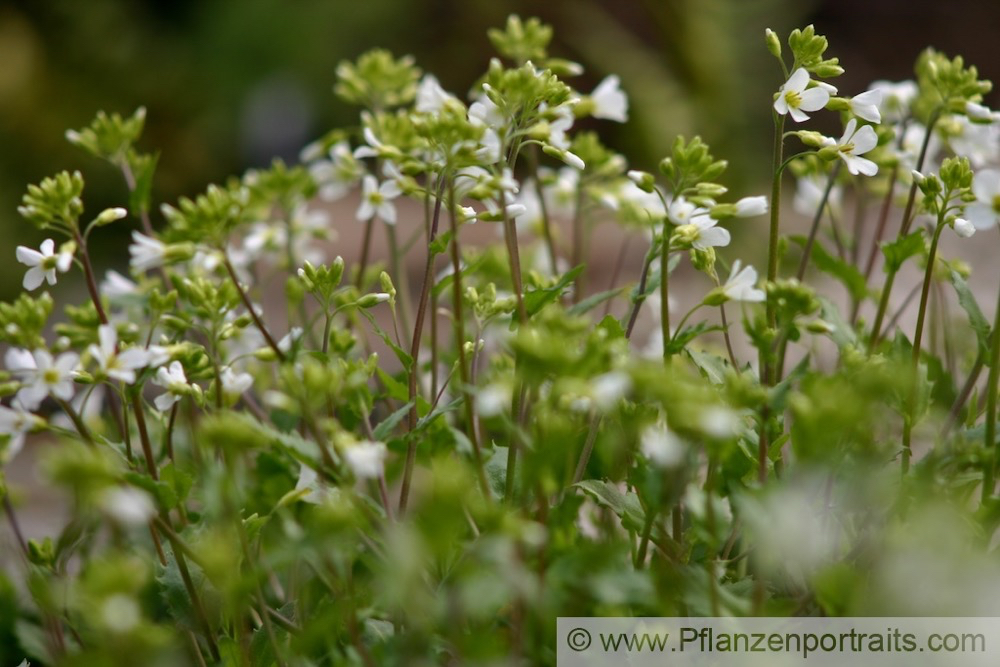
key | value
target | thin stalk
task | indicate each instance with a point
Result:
(990, 462)
(253, 313)
(617, 270)
(665, 292)
(773, 237)
(883, 217)
(903, 231)
(78, 422)
(366, 244)
(726, 337)
(860, 207)
(578, 240)
(459, 323)
(546, 221)
(963, 395)
(418, 327)
(398, 268)
(807, 249)
(917, 337)
(641, 290)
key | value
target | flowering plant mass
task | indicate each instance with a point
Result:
(273, 456)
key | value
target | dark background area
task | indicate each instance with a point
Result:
(229, 84)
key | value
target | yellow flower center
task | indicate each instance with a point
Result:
(793, 99)
(51, 376)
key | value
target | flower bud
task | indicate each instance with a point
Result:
(110, 215)
(372, 300)
(773, 43)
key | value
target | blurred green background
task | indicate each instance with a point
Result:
(229, 84)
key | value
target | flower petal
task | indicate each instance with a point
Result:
(814, 99)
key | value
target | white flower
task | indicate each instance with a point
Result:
(146, 252)
(741, 285)
(41, 375)
(289, 339)
(265, 236)
(854, 143)
(610, 102)
(985, 211)
(120, 613)
(719, 422)
(561, 196)
(373, 147)
(492, 400)
(173, 379)
(128, 505)
(484, 112)
(794, 98)
(980, 113)
(376, 200)
(751, 207)
(964, 228)
(233, 383)
(609, 388)
(365, 459)
(977, 141)
(701, 232)
(337, 175)
(663, 449)
(117, 365)
(896, 98)
(560, 126)
(431, 97)
(44, 264)
(115, 285)
(866, 105)
(15, 421)
(809, 194)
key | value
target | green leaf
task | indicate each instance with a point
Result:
(688, 334)
(401, 354)
(447, 280)
(843, 333)
(846, 273)
(898, 251)
(712, 366)
(976, 318)
(535, 300)
(385, 427)
(625, 505)
(143, 168)
(593, 301)
(440, 243)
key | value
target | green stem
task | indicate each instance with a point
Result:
(990, 462)
(917, 338)
(250, 309)
(463, 369)
(665, 292)
(418, 327)
(807, 249)
(904, 229)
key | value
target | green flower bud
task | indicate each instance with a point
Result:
(643, 179)
(372, 300)
(773, 43)
(110, 215)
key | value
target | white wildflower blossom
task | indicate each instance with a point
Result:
(610, 101)
(661, 446)
(128, 505)
(117, 365)
(365, 459)
(41, 375)
(866, 105)
(985, 211)
(43, 263)
(173, 379)
(376, 200)
(742, 284)
(146, 252)
(854, 143)
(795, 98)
